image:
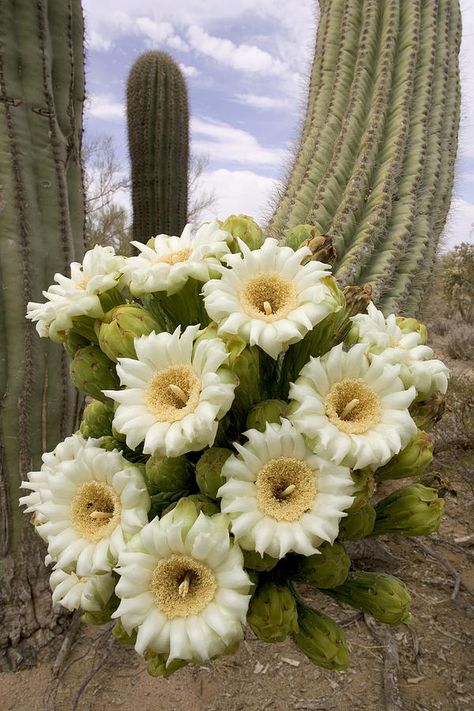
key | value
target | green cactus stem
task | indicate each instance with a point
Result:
(41, 232)
(158, 139)
(374, 166)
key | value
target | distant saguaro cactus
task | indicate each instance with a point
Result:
(41, 232)
(158, 139)
(374, 166)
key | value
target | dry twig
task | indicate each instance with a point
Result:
(391, 665)
(67, 643)
(458, 581)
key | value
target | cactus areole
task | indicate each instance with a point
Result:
(373, 169)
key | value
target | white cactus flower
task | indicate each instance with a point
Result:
(282, 497)
(77, 295)
(267, 297)
(353, 408)
(166, 263)
(175, 392)
(183, 588)
(87, 503)
(385, 338)
(89, 593)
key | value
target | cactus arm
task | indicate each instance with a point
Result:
(438, 180)
(297, 195)
(158, 137)
(35, 242)
(377, 177)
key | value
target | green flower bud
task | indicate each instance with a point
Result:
(164, 501)
(208, 470)
(411, 461)
(357, 299)
(321, 246)
(200, 502)
(414, 510)
(357, 524)
(96, 420)
(364, 483)
(91, 372)
(84, 326)
(328, 569)
(102, 617)
(119, 327)
(157, 664)
(246, 366)
(409, 325)
(121, 635)
(168, 474)
(382, 596)
(73, 342)
(109, 443)
(427, 413)
(246, 229)
(266, 411)
(272, 613)
(321, 639)
(118, 435)
(254, 561)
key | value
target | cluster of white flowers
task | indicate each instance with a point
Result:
(181, 581)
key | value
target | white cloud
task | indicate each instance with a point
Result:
(460, 225)
(160, 33)
(226, 143)
(97, 41)
(105, 107)
(189, 71)
(243, 57)
(259, 101)
(236, 191)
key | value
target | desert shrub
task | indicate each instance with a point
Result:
(460, 345)
(457, 273)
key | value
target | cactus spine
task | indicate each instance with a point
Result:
(374, 167)
(158, 139)
(41, 232)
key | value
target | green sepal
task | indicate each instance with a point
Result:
(384, 597)
(208, 470)
(326, 569)
(321, 639)
(272, 612)
(414, 510)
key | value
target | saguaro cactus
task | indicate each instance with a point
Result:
(374, 166)
(41, 232)
(158, 138)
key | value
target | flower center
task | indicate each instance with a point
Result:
(173, 393)
(174, 257)
(268, 297)
(83, 283)
(286, 488)
(95, 510)
(352, 406)
(182, 586)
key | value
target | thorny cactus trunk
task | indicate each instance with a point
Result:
(158, 139)
(41, 232)
(374, 166)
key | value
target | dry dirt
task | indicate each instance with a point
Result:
(435, 652)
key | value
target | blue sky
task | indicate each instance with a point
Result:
(246, 63)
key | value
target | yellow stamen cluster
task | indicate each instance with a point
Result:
(268, 297)
(352, 406)
(182, 586)
(95, 510)
(173, 393)
(286, 488)
(174, 257)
